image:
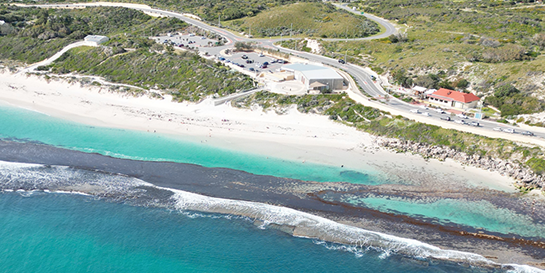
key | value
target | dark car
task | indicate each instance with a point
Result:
(222, 59)
(241, 65)
(527, 133)
(249, 61)
(446, 118)
(251, 69)
(342, 61)
(266, 63)
(244, 57)
(263, 66)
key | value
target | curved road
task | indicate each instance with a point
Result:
(361, 78)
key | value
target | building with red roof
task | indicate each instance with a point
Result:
(450, 98)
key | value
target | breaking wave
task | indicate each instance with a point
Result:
(29, 178)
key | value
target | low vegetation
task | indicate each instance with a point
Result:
(185, 76)
(307, 19)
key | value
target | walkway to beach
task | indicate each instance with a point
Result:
(57, 55)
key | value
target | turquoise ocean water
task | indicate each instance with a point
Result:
(22, 124)
(47, 232)
(70, 233)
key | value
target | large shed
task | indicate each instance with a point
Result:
(310, 74)
(97, 39)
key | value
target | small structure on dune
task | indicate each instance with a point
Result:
(316, 77)
(453, 99)
(97, 39)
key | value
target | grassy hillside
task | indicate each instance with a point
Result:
(185, 76)
(484, 45)
(208, 10)
(308, 19)
(36, 34)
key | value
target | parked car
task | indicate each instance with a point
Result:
(265, 63)
(249, 61)
(373, 77)
(416, 111)
(440, 111)
(460, 121)
(474, 123)
(202, 38)
(221, 59)
(241, 65)
(244, 57)
(446, 118)
(424, 106)
(462, 116)
(281, 61)
(426, 114)
(527, 133)
(261, 55)
(509, 130)
(251, 69)
(498, 129)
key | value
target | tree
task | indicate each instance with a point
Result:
(241, 46)
(506, 90)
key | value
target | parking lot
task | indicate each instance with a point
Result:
(189, 41)
(252, 61)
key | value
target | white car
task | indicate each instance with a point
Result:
(424, 107)
(416, 111)
(497, 129)
(426, 114)
(509, 130)
(462, 116)
(460, 121)
(440, 111)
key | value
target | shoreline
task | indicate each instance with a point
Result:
(292, 136)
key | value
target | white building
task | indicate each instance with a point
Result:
(453, 99)
(97, 39)
(316, 77)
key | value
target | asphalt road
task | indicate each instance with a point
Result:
(362, 78)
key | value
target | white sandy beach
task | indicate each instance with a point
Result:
(292, 136)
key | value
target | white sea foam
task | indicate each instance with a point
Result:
(324, 229)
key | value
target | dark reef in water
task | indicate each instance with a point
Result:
(323, 199)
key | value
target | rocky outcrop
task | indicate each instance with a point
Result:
(526, 179)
